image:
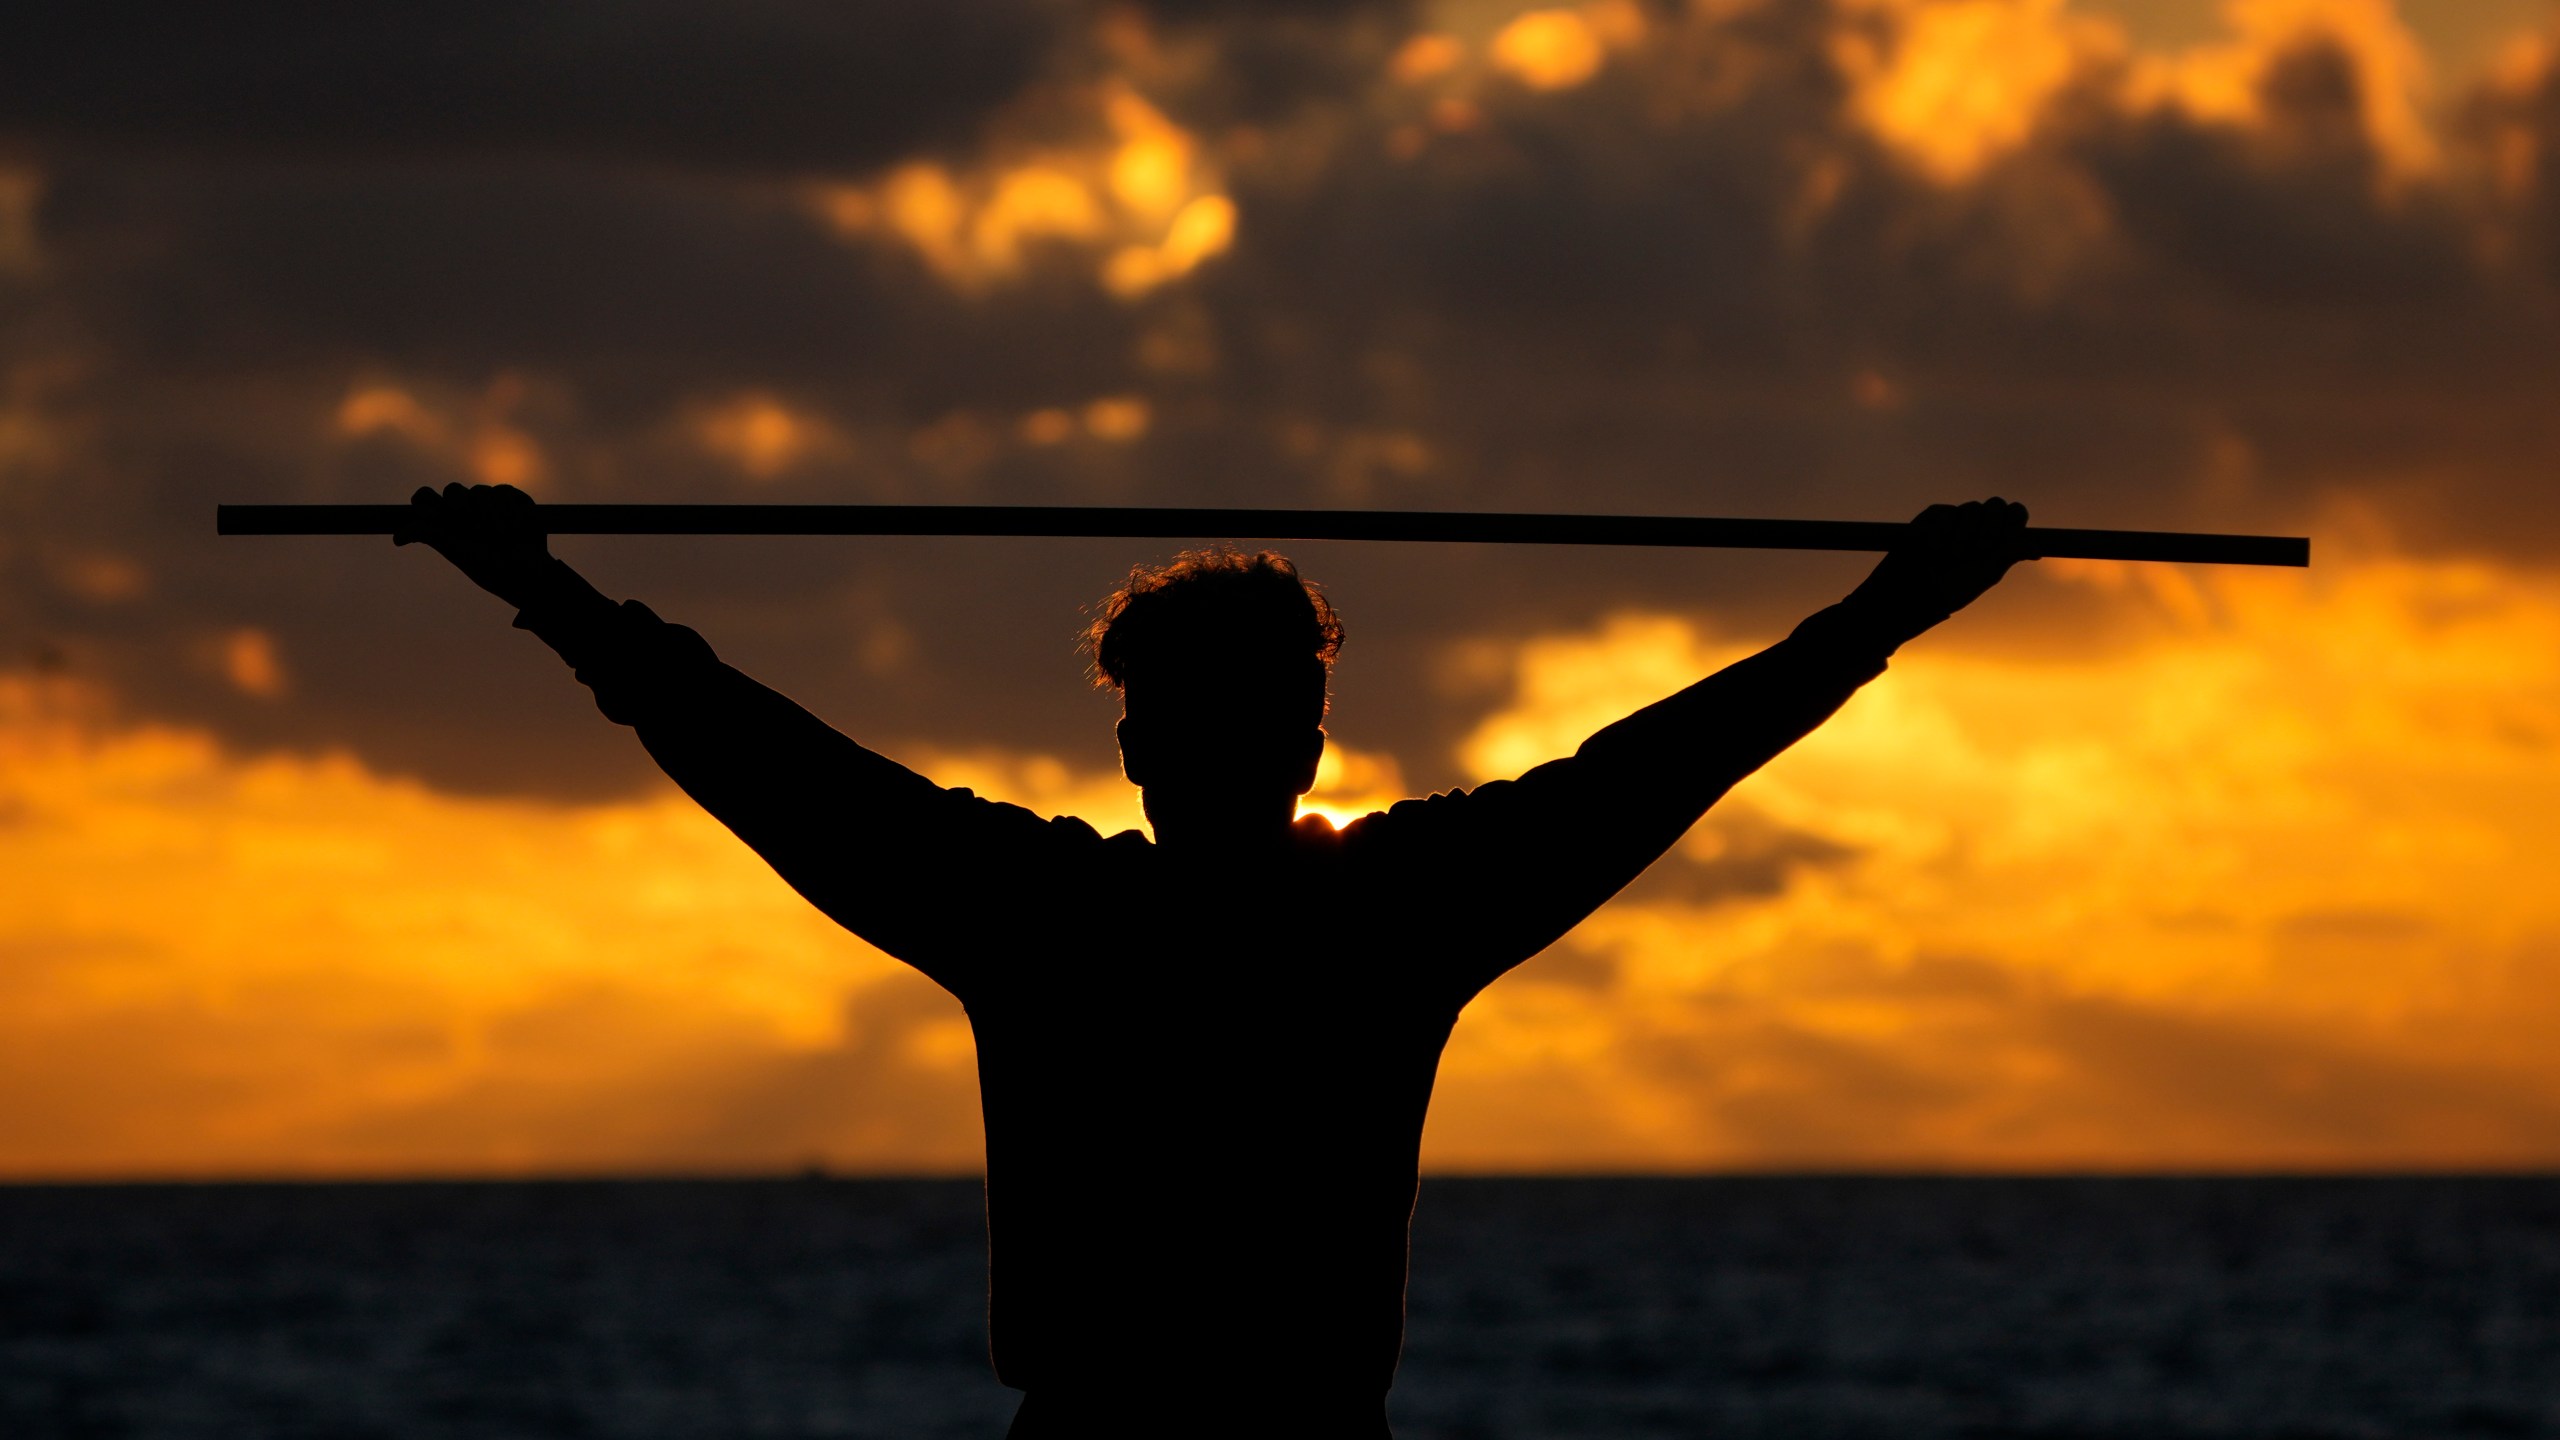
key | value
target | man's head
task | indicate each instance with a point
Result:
(1220, 659)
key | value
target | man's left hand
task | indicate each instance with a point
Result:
(1955, 553)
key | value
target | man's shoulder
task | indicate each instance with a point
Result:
(1003, 816)
(1423, 815)
(1438, 803)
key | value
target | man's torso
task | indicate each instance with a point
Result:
(1204, 1096)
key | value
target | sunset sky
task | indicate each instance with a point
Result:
(310, 865)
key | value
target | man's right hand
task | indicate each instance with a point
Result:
(1953, 555)
(488, 532)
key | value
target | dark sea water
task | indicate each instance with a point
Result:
(1541, 1308)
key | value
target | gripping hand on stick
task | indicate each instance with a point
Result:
(490, 535)
(1954, 554)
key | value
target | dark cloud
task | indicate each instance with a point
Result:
(762, 84)
(1629, 284)
(2517, 128)
(1225, 14)
(1694, 284)
(1254, 62)
(2285, 218)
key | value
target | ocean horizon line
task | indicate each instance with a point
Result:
(829, 1174)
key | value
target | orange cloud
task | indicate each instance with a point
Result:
(219, 963)
(1549, 49)
(371, 408)
(2256, 886)
(1955, 83)
(2224, 81)
(1135, 191)
(1118, 417)
(762, 436)
(1986, 914)
(100, 577)
(1427, 57)
(250, 663)
(476, 436)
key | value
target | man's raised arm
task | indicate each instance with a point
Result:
(1525, 860)
(876, 846)
(1696, 744)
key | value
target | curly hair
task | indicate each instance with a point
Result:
(1213, 603)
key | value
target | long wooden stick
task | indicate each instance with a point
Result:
(1137, 522)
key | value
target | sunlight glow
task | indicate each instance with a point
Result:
(1352, 783)
(2260, 884)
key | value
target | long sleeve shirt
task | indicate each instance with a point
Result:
(1204, 1075)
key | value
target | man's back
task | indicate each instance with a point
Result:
(1204, 1068)
(1205, 1077)
(1205, 1063)
(1204, 1116)
(1205, 1071)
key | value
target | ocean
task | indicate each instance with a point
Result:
(1541, 1309)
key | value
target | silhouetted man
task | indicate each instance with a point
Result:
(1205, 1057)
